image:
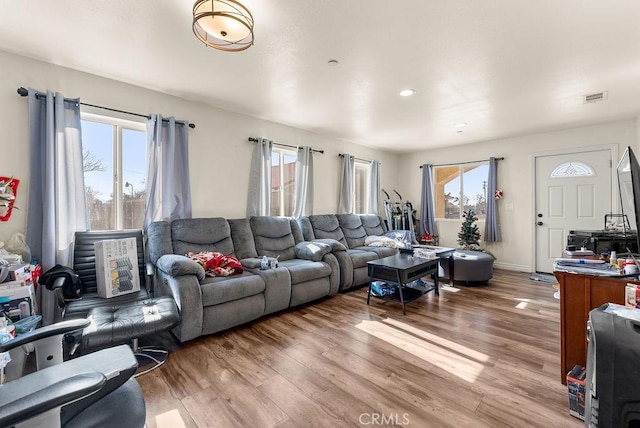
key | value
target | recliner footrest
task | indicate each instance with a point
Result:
(117, 325)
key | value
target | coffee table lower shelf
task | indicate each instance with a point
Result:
(409, 293)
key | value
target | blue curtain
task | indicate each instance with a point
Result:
(345, 202)
(374, 186)
(491, 226)
(259, 199)
(304, 182)
(169, 188)
(427, 202)
(57, 207)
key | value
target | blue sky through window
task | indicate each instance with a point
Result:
(474, 181)
(98, 140)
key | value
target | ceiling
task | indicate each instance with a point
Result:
(505, 67)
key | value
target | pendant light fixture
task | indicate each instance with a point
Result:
(223, 24)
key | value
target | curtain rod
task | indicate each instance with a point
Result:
(255, 140)
(463, 163)
(23, 92)
(360, 159)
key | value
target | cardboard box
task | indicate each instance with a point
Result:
(576, 385)
(20, 272)
(632, 296)
(12, 302)
(117, 267)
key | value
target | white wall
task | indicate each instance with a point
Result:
(220, 154)
(219, 151)
(515, 178)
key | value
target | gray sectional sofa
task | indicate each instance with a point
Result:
(315, 259)
(350, 230)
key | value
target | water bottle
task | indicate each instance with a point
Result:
(265, 263)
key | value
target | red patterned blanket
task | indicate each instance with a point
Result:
(216, 264)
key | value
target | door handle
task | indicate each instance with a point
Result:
(539, 223)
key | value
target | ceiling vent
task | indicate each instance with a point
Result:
(594, 98)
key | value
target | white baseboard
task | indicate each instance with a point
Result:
(510, 266)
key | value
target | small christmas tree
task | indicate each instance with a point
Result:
(469, 234)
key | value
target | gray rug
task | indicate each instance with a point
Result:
(543, 277)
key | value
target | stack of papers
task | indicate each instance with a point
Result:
(579, 253)
(587, 266)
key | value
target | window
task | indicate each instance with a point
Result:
(459, 188)
(361, 188)
(283, 179)
(114, 162)
(572, 169)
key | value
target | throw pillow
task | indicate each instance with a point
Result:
(312, 250)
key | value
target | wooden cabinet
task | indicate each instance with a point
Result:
(579, 294)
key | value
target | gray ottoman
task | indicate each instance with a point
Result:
(470, 267)
(119, 325)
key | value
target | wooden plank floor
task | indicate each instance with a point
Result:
(484, 356)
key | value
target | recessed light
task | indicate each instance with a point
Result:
(407, 92)
(332, 62)
(460, 125)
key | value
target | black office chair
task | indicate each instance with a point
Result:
(95, 390)
(121, 319)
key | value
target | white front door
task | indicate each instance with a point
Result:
(573, 192)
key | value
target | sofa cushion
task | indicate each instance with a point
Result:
(380, 251)
(296, 231)
(360, 257)
(313, 251)
(327, 226)
(201, 234)
(158, 237)
(373, 224)
(306, 228)
(273, 237)
(353, 230)
(216, 290)
(242, 236)
(305, 270)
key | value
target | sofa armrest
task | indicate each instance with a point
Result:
(251, 262)
(42, 399)
(116, 365)
(175, 265)
(333, 243)
(312, 250)
(187, 294)
(58, 329)
(256, 262)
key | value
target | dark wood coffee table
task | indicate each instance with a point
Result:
(402, 270)
(442, 253)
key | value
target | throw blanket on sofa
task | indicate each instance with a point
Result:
(382, 241)
(216, 264)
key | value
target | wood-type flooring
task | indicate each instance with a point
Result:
(481, 356)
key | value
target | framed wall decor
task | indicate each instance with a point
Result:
(8, 192)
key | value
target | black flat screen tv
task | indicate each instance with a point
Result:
(629, 186)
